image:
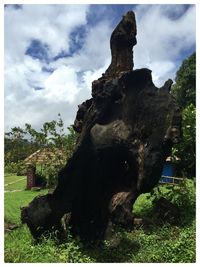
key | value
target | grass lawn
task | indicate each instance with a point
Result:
(14, 182)
(165, 243)
(14, 200)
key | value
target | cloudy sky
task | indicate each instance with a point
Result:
(54, 52)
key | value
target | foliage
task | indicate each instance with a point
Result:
(180, 251)
(52, 136)
(16, 146)
(183, 195)
(49, 174)
(18, 168)
(70, 142)
(184, 89)
(186, 149)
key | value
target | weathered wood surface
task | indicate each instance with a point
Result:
(127, 130)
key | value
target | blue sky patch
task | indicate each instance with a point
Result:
(77, 38)
(176, 12)
(184, 54)
(38, 50)
(37, 88)
(112, 13)
(16, 6)
(48, 69)
(62, 54)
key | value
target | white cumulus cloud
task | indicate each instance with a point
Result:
(66, 81)
(162, 39)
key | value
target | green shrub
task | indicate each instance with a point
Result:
(49, 175)
(183, 195)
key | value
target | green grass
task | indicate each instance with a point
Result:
(11, 182)
(14, 200)
(9, 178)
(165, 243)
(19, 185)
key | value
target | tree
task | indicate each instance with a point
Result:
(16, 146)
(184, 92)
(184, 89)
(186, 150)
(53, 136)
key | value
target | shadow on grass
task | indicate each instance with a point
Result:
(117, 250)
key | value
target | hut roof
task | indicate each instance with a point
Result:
(46, 155)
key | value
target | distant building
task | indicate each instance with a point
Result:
(46, 155)
(40, 158)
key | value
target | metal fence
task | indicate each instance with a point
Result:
(170, 180)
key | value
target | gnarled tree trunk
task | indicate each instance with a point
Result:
(127, 130)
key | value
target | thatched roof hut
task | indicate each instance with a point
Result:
(46, 155)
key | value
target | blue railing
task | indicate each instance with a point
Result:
(170, 180)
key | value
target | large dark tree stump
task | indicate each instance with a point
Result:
(127, 130)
